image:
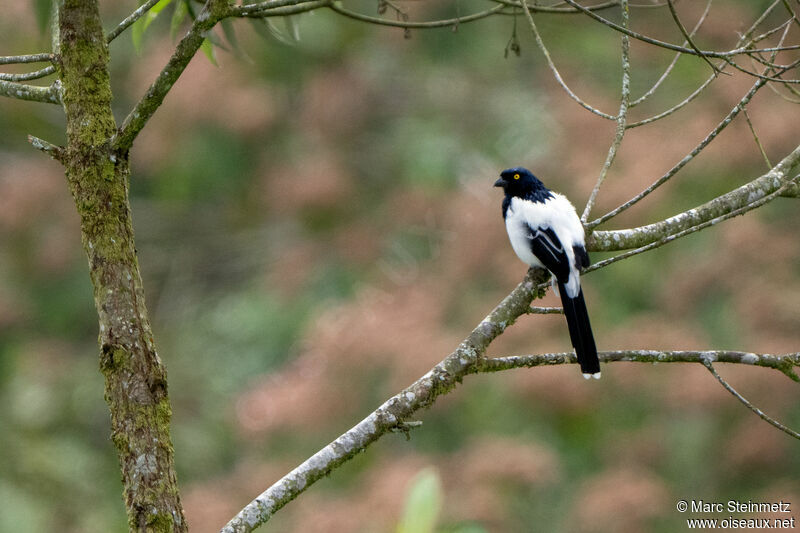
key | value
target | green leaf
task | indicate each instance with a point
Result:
(230, 34)
(144, 21)
(261, 28)
(181, 10)
(208, 50)
(423, 503)
(292, 27)
(268, 30)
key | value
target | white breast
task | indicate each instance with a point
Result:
(556, 213)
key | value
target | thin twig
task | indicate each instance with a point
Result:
(556, 74)
(756, 410)
(688, 37)
(555, 8)
(674, 61)
(27, 76)
(755, 136)
(260, 8)
(130, 19)
(30, 58)
(675, 47)
(778, 177)
(622, 116)
(335, 6)
(686, 159)
(55, 152)
(304, 7)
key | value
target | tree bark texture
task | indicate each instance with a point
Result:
(135, 378)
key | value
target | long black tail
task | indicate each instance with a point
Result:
(580, 331)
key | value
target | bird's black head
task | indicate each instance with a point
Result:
(522, 183)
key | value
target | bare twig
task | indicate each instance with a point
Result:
(466, 360)
(302, 7)
(556, 74)
(55, 152)
(737, 201)
(259, 9)
(688, 37)
(686, 159)
(756, 410)
(130, 19)
(622, 116)
(335, 6)
(755, 137)
(674, 61)
(675, 47)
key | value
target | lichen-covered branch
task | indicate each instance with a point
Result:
(784, 363)
(135, 378)
(55, 152)
(32, 93)
(467, 359)
(29, 58)
(443, 377)
(27, 76)
(778, 177)
(213, 11)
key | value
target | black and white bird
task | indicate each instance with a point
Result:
(545, 232)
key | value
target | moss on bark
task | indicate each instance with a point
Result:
(136, 382)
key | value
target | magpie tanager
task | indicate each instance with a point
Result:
(545, 231)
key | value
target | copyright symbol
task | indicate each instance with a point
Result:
(682, 506)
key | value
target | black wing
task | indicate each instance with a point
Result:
(548, 248)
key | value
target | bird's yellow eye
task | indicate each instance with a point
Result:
(516, 176)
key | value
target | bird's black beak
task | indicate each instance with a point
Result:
(500, 183)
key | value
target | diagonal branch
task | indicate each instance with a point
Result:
(740, 198)
(686, 159)
(756, 410)
(213, 11)
(688, 37)
(556, 73)
(674, 61)
(467, 359)
(130, 19)
(439, 380)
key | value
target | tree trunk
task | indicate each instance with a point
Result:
(136, 382)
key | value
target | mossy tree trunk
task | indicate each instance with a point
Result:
(136, 384)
